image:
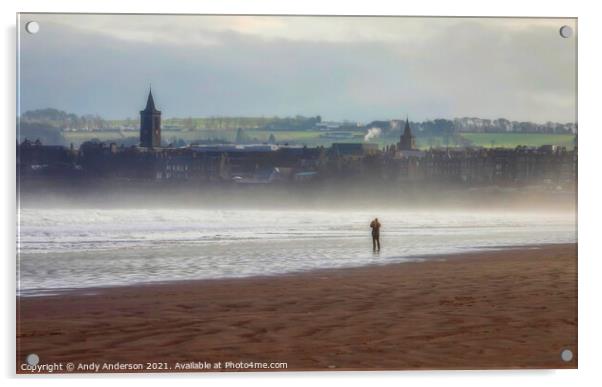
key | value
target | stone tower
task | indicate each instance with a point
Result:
(407, 141)
(150, 124)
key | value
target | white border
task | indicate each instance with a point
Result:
(590, 322)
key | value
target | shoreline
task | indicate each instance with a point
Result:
(415, 259)
(501, 309)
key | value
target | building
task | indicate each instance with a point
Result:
(150, 124)
(339, 149)
(33, 158)
(399, 164)
(407, 141)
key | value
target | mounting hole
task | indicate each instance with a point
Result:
(566, 355)
(32, 27)
(566, 31)
(32, 359)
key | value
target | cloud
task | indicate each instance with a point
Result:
(342, 68)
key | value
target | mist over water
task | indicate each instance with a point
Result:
(345, 195)
(89, 247)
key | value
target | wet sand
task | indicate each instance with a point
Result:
(513, 308)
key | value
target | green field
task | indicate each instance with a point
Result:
(313, 138)
(79, 137)
(512, 140)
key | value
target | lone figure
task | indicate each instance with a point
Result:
(375, 225)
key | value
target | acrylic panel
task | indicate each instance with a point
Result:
(205, 193)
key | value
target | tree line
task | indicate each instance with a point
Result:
(57, 119)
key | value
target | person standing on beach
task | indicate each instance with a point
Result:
(375, 225)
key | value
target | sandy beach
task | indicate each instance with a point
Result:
(512, 308)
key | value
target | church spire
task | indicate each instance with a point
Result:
(150, 102)
(407, 130)
(407, 141)
(150, 124)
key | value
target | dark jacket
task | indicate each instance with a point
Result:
(375, 228)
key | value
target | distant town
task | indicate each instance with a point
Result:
(446, 151)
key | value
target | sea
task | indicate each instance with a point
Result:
(66, 249)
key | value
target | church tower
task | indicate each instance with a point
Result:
(150, 124)
(407, 141)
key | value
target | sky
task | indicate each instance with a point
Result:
(342, 68)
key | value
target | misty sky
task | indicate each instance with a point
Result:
(361, 68)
